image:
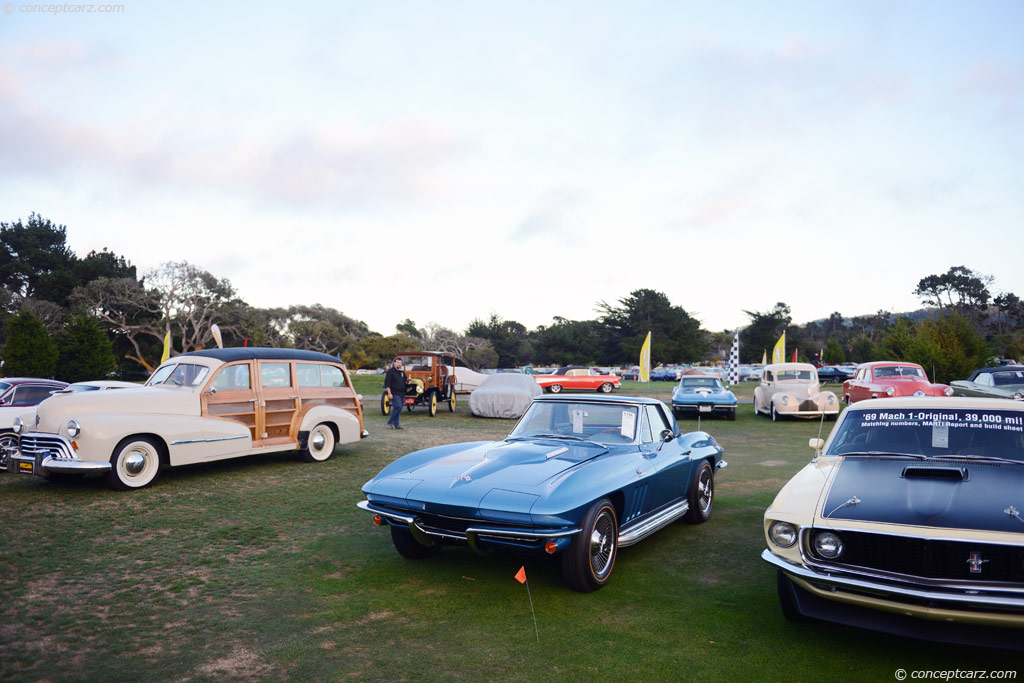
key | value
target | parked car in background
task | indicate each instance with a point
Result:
(697, 395)
(881, 379)
(792, 390)
(834, 373)
(909, 521)
(196, 407)
(428, 382)
(574, 377)
(630, 373)
(1006, 381)
(665, 374)
(97, 385)
(579, 476)
(19, 397)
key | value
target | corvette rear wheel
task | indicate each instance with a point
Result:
(702, 495)
(588, 563)
(408, 547)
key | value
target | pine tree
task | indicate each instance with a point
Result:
(86, 352)
(29, 351)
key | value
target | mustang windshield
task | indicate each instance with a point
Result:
(601, 423)
(932, 432)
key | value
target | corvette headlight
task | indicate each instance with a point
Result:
(785, 400)
(828, 545)
(890, 391)
(19, 425)
(782, 534)
(948, 391)
(74, 429)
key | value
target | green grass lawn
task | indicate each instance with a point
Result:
(263, 568)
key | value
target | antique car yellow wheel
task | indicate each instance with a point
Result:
(408, 547)
(451, 401)
(385, 404)
(134, 464)
(702, 495)
(433, 403)
(320, 444)
(589, 561)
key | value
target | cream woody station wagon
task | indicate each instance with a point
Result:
(196, 407)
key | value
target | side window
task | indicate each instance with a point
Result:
(274, 375)
(985, 380)
(308, 374)
(331, 376)
(232, 378)
(657, 421)
(645, 428)
(28, 395)
(768, 376)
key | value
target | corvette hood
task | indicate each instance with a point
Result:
(943, 494)
(464, 477)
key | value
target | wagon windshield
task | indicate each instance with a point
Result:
(179, 374)
(601, 423)
(946, 433)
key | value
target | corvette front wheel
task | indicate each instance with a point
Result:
(588, 563)
(408, 547)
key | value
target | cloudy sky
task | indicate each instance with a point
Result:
(440, 161)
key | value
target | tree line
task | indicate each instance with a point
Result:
(77, 318)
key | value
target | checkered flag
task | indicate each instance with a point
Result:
(734, 361)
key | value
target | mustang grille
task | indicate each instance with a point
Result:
(932, 559)
(34, 443)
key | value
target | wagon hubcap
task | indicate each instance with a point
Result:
(134, 463)
(318, 441)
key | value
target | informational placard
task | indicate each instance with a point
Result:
(628, 423)
(577, 420)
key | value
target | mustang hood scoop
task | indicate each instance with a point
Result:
(943, 495)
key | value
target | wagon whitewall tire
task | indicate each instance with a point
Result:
(134, 464)
(320, 444)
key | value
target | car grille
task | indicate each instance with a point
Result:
(808, 405)
(933, 559)
(34, 443)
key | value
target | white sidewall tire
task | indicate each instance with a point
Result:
(134, 464)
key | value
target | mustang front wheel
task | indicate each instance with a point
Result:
(135, 463)
(589, 561)
(702, 494)
(320, 444)
(408, 547)
(787, 598)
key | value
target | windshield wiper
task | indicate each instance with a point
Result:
(980, 458)
(915, 456)
(573, 437)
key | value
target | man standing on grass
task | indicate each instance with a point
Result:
(394, 384)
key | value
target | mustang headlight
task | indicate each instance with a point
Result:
(74, 429)
(828, 545)
(782, 534)
(19, 425)
(785, 400)
(890, 391)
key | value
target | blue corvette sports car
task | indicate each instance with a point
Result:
(703, 395)
(579, 476)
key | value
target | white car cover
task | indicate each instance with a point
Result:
(467, 380)
(507, 394)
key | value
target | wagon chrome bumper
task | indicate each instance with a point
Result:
(473, 535)
(43, 454)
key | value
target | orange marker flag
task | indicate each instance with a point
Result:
(521, 574)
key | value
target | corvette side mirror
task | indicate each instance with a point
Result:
(667, 435)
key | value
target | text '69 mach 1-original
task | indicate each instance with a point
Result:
(909, 520)
(578, 476)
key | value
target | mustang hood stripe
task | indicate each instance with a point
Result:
(886, 492)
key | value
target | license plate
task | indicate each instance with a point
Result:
(704, 409)
(26, 467)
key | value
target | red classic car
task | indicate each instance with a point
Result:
(880, 379)
(572, 377)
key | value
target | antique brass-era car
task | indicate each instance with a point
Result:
(196, 407)
(429, 380)
(909, 520)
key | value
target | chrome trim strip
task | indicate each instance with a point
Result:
(826, 526)
(649, 526)
(974, 595)
(180, 442)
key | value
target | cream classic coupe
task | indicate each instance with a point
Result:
(792, 390)
(196, 407)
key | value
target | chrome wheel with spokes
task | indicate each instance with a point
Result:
(589, 561)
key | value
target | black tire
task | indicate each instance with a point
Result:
(408, 547)
(775, 415)
(134, 464)
(7, 439)
(385, 404)
(701, 495)
(588, 563)
(732, 415)
(320, 444)
(432, 404)
(555, 388)
(606, 388)
(787, 598)
(451, 402)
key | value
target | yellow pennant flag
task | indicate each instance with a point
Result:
(645, 360)
(779, 354)
(215, 331)
(764, 358)
(167, 347)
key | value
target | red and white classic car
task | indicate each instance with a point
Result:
(572, 377)
(880, 379)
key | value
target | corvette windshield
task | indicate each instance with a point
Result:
(694, 382)
(601, 423)
(932, 432)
